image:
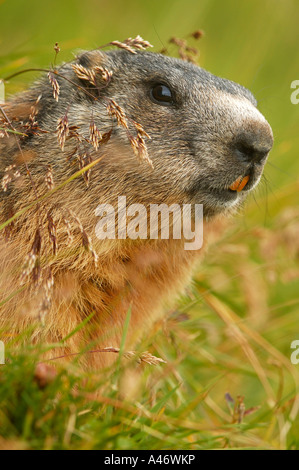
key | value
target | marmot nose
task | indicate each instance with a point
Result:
(254, 144)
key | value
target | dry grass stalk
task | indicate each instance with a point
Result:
(130, 44)
(86, 240)
(140, 149)
(31, 126)
(186, 52)
(238, 409)
(106, 137)
(31, 261)
(115, 110)
(84, 160)
(140, 130)
(94, 135)
(197, 34)
(150, 359)
(143, 357)
(68, 228)
(62, 130)
(3, 130)
(85, 74)
(47, 287)
(10, 173)
(28, 267)
(55, 85)
(52, 231)
(92, 74)
(57, 50)
(106, 74)
(49, 178)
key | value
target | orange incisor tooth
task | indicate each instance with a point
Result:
(239, 184)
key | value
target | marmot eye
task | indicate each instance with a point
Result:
(161, 94)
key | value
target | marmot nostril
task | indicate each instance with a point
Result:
(253, 146)
(250, 154)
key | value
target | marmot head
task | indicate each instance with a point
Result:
(206, 132)
(208, 142)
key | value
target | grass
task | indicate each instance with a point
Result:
(232, 330)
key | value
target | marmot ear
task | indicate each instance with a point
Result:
(91, 59)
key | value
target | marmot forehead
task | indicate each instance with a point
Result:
(176, 71)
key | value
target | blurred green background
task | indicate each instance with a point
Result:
(250, 277)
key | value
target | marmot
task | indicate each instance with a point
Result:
(200, 139)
